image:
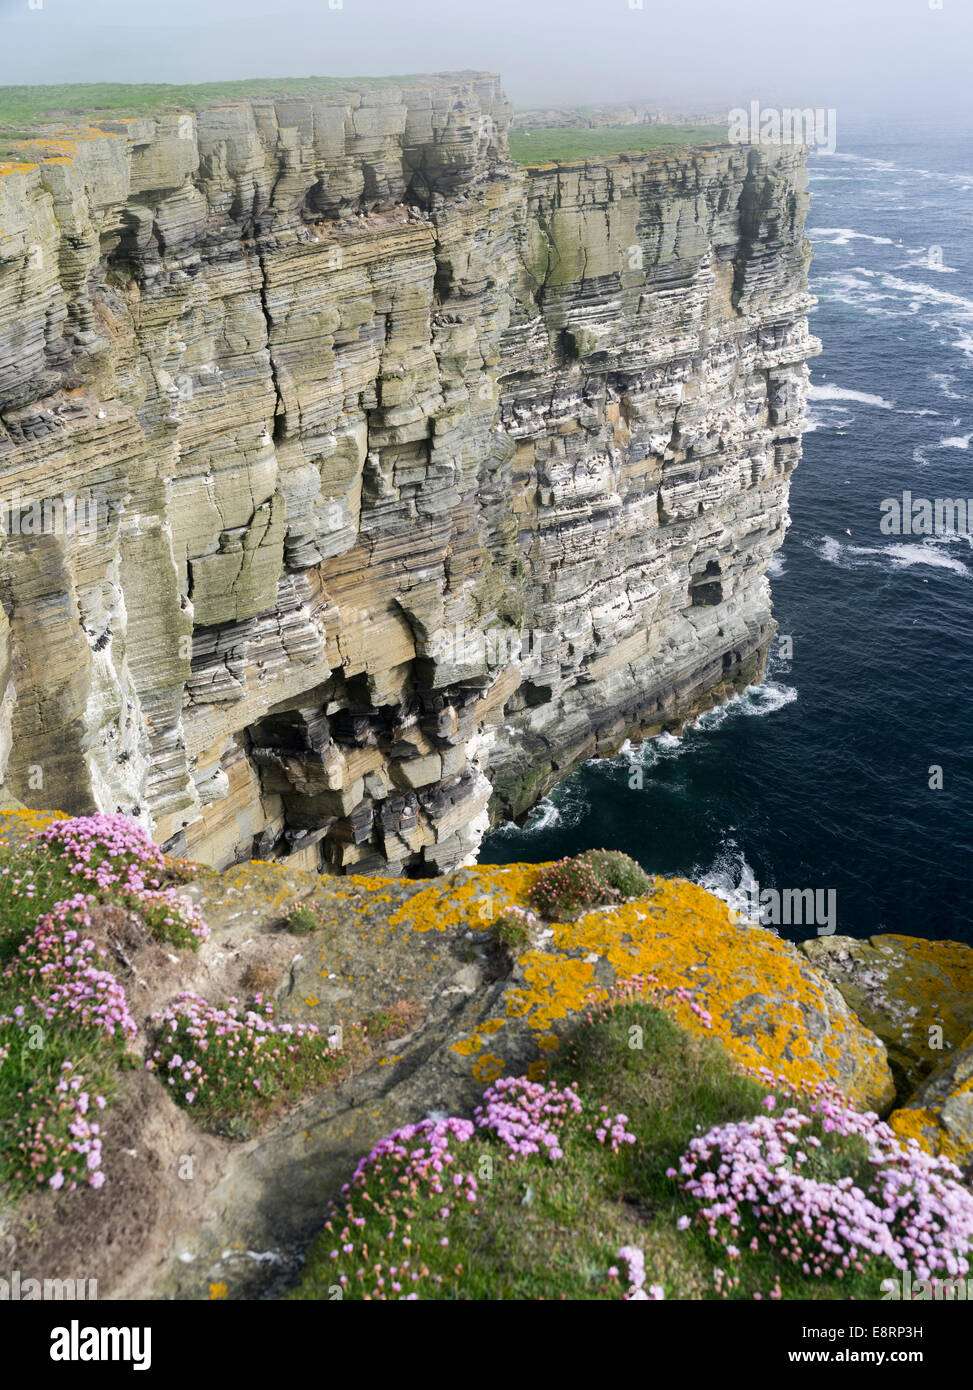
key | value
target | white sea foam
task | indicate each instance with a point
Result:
(928, 293)
(729, 877)
(956, 441)
(828, 392)
(944, 381)
(827, 415)
(887, 296)
(929, 551)
(544, 816)
(882, 166)
(755, 701)
(841, 236)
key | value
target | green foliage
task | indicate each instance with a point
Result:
(581, 142)
(566, 888)
(618, 873)
(543, 1230)
(302, 920)
(597, 877)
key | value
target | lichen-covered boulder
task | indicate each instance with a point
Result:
(916, 995)
(940, 1115)
(764, 1001)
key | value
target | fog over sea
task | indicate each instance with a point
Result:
(820, 777)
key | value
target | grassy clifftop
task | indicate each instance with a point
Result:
(26, 105)
(580, 142)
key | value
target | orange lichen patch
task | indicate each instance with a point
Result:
(559, 985)
(919, 1124)
(759, 991)
(443, 906)
(916, 995)
(14, 167)
(488, 1068)
(371, 885)
(492, 1026)
(17, 825)
(767, 1005)
(518, 1003)
(940, 1114)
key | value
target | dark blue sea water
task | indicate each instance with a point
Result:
(820, 777)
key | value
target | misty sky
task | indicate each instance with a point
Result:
(904, 58)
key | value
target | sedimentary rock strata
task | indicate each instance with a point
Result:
(404, 478)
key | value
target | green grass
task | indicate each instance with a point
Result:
(302, 920)
(543, 1230)
(26, 105)
(581, 142)
(52, 881)
(618, 872)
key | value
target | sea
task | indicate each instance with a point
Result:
(850, 769)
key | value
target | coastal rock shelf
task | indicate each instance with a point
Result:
(475, 1012)
(395, 479)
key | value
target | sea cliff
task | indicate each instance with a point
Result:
(407, 477)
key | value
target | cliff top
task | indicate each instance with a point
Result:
(568, 143)
(34, 105)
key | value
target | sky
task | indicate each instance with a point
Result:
(892, 58)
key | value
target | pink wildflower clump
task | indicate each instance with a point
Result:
(564, 888)
(414, 1172)
(63, 983)
(106, 850)
(56, 1142)
(526, 1115)
(170, 916)
(611, 1130)
(232, 1059)
(635, 1259)
(118, 859)
(59, 999)
(770, 1183)
(646, 989)
(419, 1176)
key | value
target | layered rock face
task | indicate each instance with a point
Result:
(357, 483)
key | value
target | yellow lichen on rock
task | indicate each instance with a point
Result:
(940, 1114)
(767, 1005)
(917, 995)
